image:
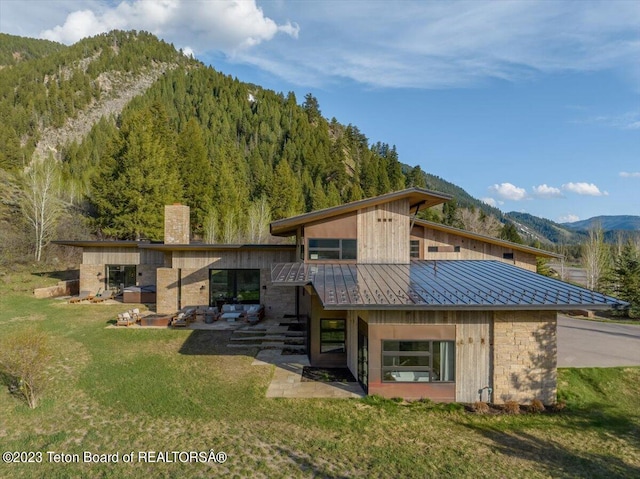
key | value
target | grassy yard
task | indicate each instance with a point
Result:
(118, 391)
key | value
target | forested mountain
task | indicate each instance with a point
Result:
(543, 229)
(614, 223)
(122, 123)
(16, 49)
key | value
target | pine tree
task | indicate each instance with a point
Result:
(196, 173)
(130, 193)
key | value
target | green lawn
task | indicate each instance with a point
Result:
(126, 390)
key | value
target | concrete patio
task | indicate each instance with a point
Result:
(287, 378)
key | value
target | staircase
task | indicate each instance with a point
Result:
(283, 335)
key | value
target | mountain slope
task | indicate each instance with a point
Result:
(607, 223)
(234, 144)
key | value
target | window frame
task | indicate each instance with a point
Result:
(333, 330)
(414, 249)
(428, 369)
(233, 282)
(340, 249)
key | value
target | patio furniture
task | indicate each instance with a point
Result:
(211, 314)
(124, 319)
(246, 312)
(184, 317)
(84, 294)
(102, 297)
(254, 313)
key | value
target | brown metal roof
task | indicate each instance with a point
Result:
(216, 247)
(418, 197)
(438, 285)
(487, 239)
(174, 247)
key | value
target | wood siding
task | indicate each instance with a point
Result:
(233, 259)
(472, 333)
(383, 233)
(473, 356)
(470, 249)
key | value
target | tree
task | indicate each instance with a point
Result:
(416, 178)
(40, 202)
(477, 221)
(595, 257)
(451, 215)
(286, 196)
(24, 358)
(210, 227)
(196, 173)
(258, 219)
(509, 232)
(130, 192)
(624, 278)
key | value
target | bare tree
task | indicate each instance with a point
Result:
(595, 256)
(230, 230)
(477, 222)
(24, 358)
(211, 227)
(258, 219)
(40, 202)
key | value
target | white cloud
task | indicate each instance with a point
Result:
(588, 189)
(626, 174)
(544, 191)
(508, 191)
(453, 44)
(412, 44)
(625, 121)
(570, 218)
(490, 202)
(227, 26)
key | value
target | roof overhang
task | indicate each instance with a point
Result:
(462, 285)
(419, 198)
(487, 239)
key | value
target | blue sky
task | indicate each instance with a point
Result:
(532, 106)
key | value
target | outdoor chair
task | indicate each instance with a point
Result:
(85, 294)
(103, 297)
(124, 319)
(135, 314)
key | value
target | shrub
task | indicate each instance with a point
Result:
(536, 406)
(512, 407)
(481, 407)
(23, 359)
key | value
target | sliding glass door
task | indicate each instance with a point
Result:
(234, 286)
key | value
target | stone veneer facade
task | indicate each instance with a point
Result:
(525, 356)
(177, 229)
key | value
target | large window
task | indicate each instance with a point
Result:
(332, 335)
(422, 361)
(324, 248)
(120, 276)
(237, 285)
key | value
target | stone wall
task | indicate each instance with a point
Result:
(176, 224)
(167, 290)
(62, 288)
(525, 356)
(92, 277)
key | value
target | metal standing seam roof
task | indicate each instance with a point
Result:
(440, 284)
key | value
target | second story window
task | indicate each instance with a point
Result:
(328, 249)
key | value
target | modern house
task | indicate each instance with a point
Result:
(413, 308)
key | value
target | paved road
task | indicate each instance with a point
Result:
(584, 344)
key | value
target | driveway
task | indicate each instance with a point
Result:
(583, 344)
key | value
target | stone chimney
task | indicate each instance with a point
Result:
(176, 224)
